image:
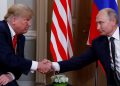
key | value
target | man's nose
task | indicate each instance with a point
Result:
(98, 26)
(29, 23)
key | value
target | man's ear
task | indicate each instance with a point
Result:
(113, 22)
(13, 20)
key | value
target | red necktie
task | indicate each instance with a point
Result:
(14, 41)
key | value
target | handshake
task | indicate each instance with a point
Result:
(44, 66)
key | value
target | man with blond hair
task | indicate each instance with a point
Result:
(12, 62)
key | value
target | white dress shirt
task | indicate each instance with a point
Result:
(55, 66)
(116, 35)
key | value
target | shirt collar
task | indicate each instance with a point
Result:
(11, 30)
(116, 34)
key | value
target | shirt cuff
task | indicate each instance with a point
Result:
(12, 75)
(55, 66)
(34, 66)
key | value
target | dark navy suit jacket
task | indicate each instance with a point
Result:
(9, 61)
(98, 51)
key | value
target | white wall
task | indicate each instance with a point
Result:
(4, 4)
(3, 8)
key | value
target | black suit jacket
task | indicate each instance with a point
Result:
(9, 61)
(98, 51)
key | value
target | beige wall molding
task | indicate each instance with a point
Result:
(41, 16)
(31, 34)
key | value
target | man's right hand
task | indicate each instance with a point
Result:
(44, 66)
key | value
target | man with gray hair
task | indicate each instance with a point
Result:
(105, 48)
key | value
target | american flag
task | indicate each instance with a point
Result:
(61, 43)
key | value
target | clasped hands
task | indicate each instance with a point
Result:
(44, 66)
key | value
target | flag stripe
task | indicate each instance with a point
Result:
(70, 35)
(61, 17)
(54, 49)
(59, 33)
(69, 29)
(64, 4)
(53, 52)
(61, 44)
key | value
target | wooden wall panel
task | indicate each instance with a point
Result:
(81, 16)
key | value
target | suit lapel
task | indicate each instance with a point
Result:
(20, 40)
(105, 53)
(105, 45)
(8, 33)
(20, 45)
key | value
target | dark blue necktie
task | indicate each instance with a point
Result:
(113, 51)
